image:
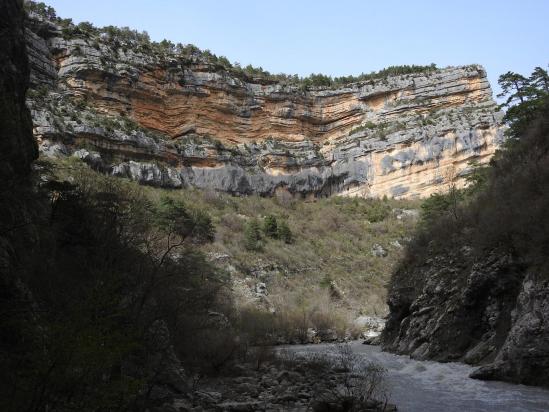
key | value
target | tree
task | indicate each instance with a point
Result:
(270, 226)
(540, 80)
(86, 27)
(41, 9)
(174, 218)
(284, 233)
(514, 86)
(525, 98)
(252, 235)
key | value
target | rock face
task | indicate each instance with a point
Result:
(488, 311)
(17, 145)
(170, 121)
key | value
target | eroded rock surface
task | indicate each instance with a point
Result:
(488, 312)
(170, 121)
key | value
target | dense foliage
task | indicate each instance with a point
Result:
(99, 283)
(525, 98)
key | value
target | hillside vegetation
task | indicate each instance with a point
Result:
(322, 262)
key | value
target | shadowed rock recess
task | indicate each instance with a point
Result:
(170, 121)
(17, 146)
(488, 312)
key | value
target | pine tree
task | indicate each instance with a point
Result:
(514, 86)
(284, 233)
(525, 98)
(252, 236)
(270, 226)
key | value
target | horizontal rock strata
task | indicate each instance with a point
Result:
(173, 122)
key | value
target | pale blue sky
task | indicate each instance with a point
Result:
(340, 37)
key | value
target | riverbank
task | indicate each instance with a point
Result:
(282, 380)
(429, 386)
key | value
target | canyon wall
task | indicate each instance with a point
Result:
(474, 283)
(173, 122)
(17, 146)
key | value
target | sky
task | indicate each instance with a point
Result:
(340, 37)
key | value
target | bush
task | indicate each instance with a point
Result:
(377, 211)
(174, 217)
(434, 207)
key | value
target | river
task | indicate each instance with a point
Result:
(425, 386)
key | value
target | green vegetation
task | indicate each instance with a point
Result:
(526, 97)
(252, 236)
(292, 245)
(284, 233)
(320, 80)
(270, 226)
(325, 238)
(503, 205)
(381, 130)
(109, 274)
(366, 126)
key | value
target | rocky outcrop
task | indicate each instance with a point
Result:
(487, 311)
(17, 145)
(171, 121)
(523, 357)
(474, 284)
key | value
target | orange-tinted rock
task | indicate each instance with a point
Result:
(403, 136)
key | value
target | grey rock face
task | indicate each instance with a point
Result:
(524, 356)
(487, 312)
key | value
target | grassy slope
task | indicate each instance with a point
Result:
(333, 240)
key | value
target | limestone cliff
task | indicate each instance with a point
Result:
(171, 121)
(17, 146)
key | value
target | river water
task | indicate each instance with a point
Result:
(425, 386)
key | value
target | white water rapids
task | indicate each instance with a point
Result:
(425, 386)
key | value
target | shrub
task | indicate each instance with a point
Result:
(174, 218)
(377, 211)
(434, 206)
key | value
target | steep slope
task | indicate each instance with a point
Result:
(475, 286)
(17, 146)
(181, 119)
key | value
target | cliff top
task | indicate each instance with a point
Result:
(168, 54)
